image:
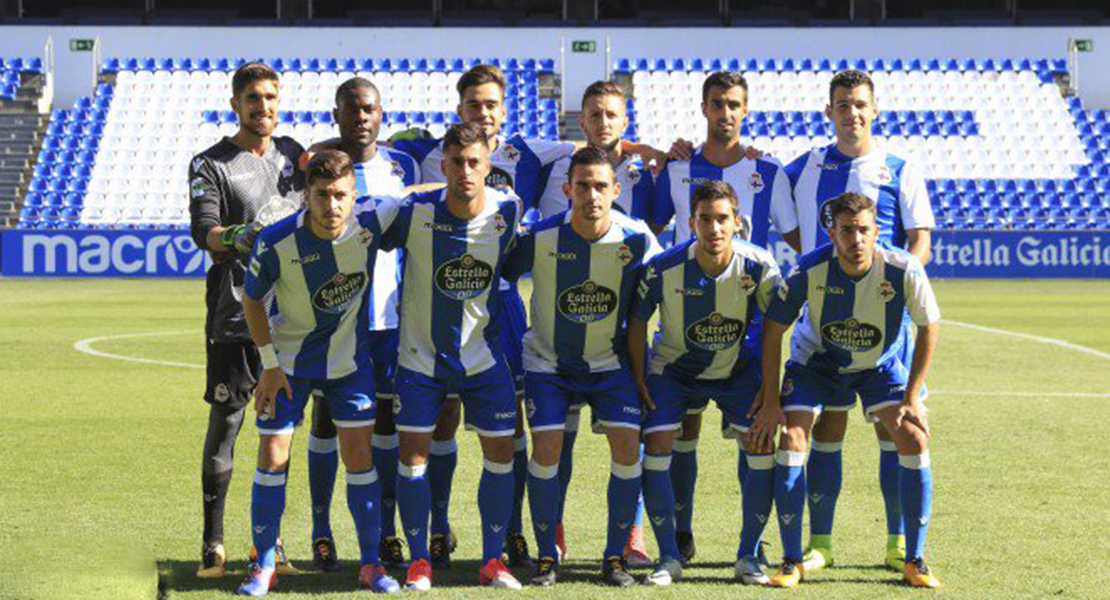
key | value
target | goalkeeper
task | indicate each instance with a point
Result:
(236, 186)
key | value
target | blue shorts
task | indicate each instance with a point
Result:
(675, 398)
(350, 402)
(514, 324)
(488, 397)
(806, 389)
(611, 395)
(383, 351)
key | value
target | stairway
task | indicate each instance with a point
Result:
(23, 123)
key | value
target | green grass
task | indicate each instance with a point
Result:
(101, 459)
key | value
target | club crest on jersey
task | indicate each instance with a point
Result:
(221, 393)
(633, 174)
(196, 188)
(852, 335)
(826, 215)
(884, 174)
(512, 153)
(463, 278)
(198, 162)
(755, 182)
(499, 179)
(624, 254)
(587, 302)
(530, 407)
(886, 291)
(366, 237)
(499, 223)
(714, 332)
(337, 295)
(787, 387)
(396, 169)
(747, 284)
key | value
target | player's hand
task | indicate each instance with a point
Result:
(654, 158)
(306, 156)
(270, 384)
(757, 403)
(645, 397)
(768, 422)
(681, 150)
(913, 411)
(240, 237)
(752, 153)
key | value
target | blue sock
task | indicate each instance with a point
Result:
(363, 498)
(495, 504)
(566, 460)
(790, 501)
(543, 501)
(890, 478)
(759, 495)
(323, 462)
(917, 501)
(623, 494)
(385, 459)
(442, 461)
(684, 475)
(520, 481)
(414, 501)
(824, 477)
(267, 505)
(741, 467)
(659, 500)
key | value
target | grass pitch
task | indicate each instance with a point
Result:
(101, 458)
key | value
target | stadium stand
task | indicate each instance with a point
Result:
(1003, 148)
(119, 159)
(25, 92)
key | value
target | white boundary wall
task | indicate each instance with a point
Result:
(74, 70)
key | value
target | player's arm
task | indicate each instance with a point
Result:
(794, 239)
(769, 417)
(637, 357)
(204, 208)
(424, 187)
(919, 242)
(272, 381)
(921, 304)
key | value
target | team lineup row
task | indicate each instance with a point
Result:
(319, 317)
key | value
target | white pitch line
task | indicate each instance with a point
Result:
(1024, 394)
(85, 346)
(1035, 338)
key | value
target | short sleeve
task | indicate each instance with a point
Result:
(521, 257)
(913, 200)
(395, 234)
(783, 213)
(263, 271)
(649, 292)
(643, 196)
(418, 149)
(789, 297)
(921, 303)
(769, 284)
(651, 246)
(662, 209)
(553, 201)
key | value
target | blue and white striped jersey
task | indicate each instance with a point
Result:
(581, 292)
(320, 286)
(760, 185)
(849, 325)
(704, 321)
(520, 165)
(449, 320)
(896, 186)
(637, 189)
(386, 174)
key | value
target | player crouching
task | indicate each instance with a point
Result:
(849, 339)
(317, 264)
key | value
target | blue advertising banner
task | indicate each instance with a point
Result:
(43, 253)
(956, 254)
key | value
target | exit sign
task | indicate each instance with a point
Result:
(1084, 45)
(587, 46)
(76, 45)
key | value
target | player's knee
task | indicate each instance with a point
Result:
(322, 425)
(547, 447)
(413, 449)
(691, 427)
(498, 449)
(624, 445)
(659, 442)
(794, 439)
(831, 427)
(910, 439)
(273, 452)
(354, 449)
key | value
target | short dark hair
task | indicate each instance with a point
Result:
(463, 135)
(329, 165)
(481, 75)
(353, 84)
(250, 73)
(602, 88)
(726, 80)
(714, 189)
(850, 79)
(588, 156)
(852, 203)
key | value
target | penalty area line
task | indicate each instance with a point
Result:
(1034, 338)
(86, 346)
(1022, 394)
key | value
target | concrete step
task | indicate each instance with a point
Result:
(11, 178)
(19, 135)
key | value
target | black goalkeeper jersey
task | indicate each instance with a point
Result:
(230, 186)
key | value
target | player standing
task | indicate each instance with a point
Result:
(584, 263)
(850, 339)
(763, 192)
(455, 241)
(317, 265)
(856, 163)
(379, 171)
(233, 185)
(710, 291)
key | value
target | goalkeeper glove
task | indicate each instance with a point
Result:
(240, 237)
(414, 133)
